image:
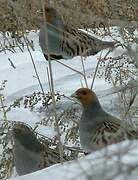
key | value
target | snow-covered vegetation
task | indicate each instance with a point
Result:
(25, 97)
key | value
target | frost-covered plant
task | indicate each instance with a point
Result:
(67, 121)
(6, 158)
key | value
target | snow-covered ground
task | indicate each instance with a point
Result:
(21, 81)
(117, 162)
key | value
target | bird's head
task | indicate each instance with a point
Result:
(86, 96)
(50, 14)
(26, 137)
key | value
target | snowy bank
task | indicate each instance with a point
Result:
(116, 162)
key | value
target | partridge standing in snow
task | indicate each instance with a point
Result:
(98, 128)
(65, 42)
(28, 151)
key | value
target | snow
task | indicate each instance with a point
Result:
(19, 85)
(46, 131)
(26, 115)
(95, 166)
(22, 81)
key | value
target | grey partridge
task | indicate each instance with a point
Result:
(28, 151)
(32, 154)
(98, 128)
(65, 42)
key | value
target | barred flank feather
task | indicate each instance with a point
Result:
(66, 42)
(112, 132)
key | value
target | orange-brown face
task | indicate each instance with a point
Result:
(85, 96)
(50, 13)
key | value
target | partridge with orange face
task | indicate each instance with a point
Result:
(65, 42)
(98, 128)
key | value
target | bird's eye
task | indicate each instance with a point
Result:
(47, 10)
(84, 92)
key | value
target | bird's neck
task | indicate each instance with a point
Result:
(93, 111)
(57, 22)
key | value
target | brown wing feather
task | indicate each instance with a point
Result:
(112, 132)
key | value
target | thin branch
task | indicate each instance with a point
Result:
(48, 79)
(52, 83)
(36, 72)
(69, 67)
(96, 69)
(3, 108)
(84, 72)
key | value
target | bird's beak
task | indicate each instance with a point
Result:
(74, 95)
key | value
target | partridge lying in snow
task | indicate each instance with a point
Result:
(65, 42)
(98, 128)
(28, 151)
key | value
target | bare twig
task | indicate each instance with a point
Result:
(36, 72)
(48, 79)
(52, 83)
(3, 108)
(69, 67)
(96, 69)
(84, 72)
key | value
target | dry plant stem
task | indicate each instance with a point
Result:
(6, 39)
(96, 69)
(119, 97)
(84, 72)
(126, 109)
(48, 79)
(3, 109)
(81, 83)
(37, 75)
(71, 99)
(52, 84)
(69, 67)
(131, 102)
